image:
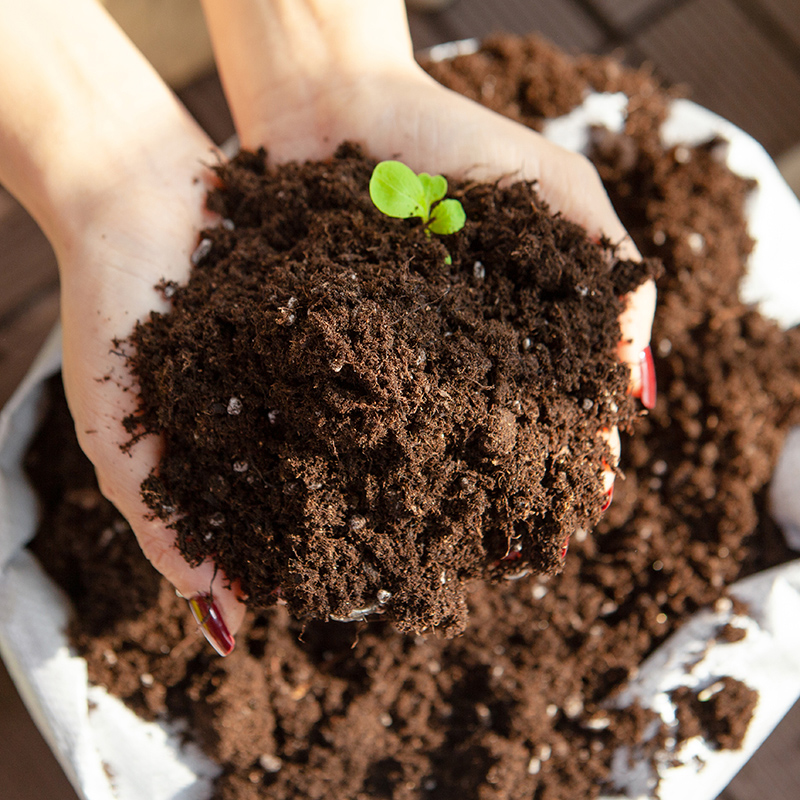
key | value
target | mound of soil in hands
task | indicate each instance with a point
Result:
(352, 424)
(522, 705)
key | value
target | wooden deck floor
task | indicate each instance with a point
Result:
(740, 58)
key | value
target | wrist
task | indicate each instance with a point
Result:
(287, 56)
(81, 111)
(310, 37)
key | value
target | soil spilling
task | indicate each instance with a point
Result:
(522, 705)
(356, 418)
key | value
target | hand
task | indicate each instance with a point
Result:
(137, 232)
(112, 168)
(301, 76)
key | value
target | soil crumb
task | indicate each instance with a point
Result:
(720, 713)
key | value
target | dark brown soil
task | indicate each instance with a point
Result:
(351, 423)
(519, 706)
(719, 712)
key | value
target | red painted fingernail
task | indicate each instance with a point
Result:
(609, 498)
(647, 393)
(208, 617)
(564, 548)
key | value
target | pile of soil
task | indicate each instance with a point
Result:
(353, 420)
(522, 704)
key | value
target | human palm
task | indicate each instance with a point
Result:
(139, 232)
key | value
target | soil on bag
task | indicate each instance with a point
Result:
(522, 705)
(351, 422)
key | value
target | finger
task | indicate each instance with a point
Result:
(611, 437)
(635, 324)
(213, 601)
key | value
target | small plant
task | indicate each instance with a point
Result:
(397, 191)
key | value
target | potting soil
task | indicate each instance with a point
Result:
(521, 704)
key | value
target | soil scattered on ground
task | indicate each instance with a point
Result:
(522, 705)
(719, 713)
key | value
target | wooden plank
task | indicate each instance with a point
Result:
(428, 29)
(27, 262)
(7, 203)
(170, 33)
(564, 22)
(773, 773)
(784, 13)
(21, 339)
(206, 102)
(731, 67)
(625, 14)
(789, 165)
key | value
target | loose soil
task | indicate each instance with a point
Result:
(521, 705)
(351, 423)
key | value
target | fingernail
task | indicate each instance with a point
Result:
(208, 617)
(609, 498)
(564, 548)
(647, 393)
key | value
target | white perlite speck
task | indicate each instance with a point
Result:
(201, 251)
(270, 763)
(357, 522)
(696, 242)
(682, 154)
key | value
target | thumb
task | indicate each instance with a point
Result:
(635, 323)
(572, 185)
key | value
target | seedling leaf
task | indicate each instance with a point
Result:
(397, 191)
(448, 217)
(435, 187)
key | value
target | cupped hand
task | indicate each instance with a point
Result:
(111, 166)
(138, 231)
(301, 81)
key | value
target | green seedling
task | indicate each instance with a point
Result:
(399, 192)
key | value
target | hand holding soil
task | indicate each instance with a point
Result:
(110, 165)
(301, 78)
(120, 194)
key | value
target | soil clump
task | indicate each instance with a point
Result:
(356, 418)
(522, 705)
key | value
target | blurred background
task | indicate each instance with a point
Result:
(740, 58)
